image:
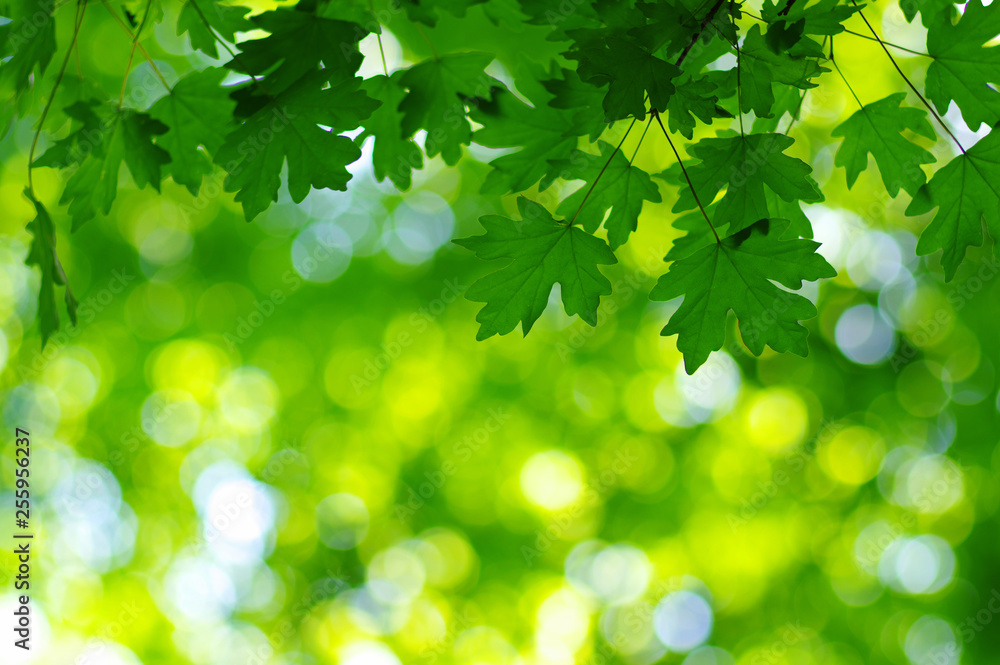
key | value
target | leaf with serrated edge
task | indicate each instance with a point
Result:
(965, 192)
(739, 274)
(543, 252)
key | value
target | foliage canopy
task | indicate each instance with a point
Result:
(286, 104)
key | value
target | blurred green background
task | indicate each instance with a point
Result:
(279, 442)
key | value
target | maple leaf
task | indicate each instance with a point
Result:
(394, 155)
(631, 73)
(198, 112)
(544, 252)
(693, 98)
(28, 41)
(571, 93)
(297, 44)
(107, 136)
(699, 234)
(760, 67)
(288, 127)
(963, 69)
(746, 166)
(877, 129)
(438, 90)
(787, 99)
(353, 11)
(224, 19)
(930, 10)
(538, 132)
(42, 253)
(739, 274)
(426, 12)
(965, 191)
(825, 17)
(668, 26)
(622, 188)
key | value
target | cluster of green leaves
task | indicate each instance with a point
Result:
(673, 65)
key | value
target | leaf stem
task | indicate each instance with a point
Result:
(912, 87)
(896, 46)
(131, 55)
(81, 9)
(787, 8)
(739, 60)
(225, 45)
(688, 178)
(378, 38)
(637, 145)
(701, 28)
(142, 48)
(798, 110)
(128, 68)
(844, 78)
(427, 39)
(603, 169)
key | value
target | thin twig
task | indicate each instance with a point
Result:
(694, 38)
(844, 78)
(739, 85)
(378, 38)
(787, 8)
(428, 40)
(603, 169)
(798, 110)
(688, 178)
(225, 45)
(131, 55)
(856, 34)
(128, 68)
(896, 46)
(636, 151)
(142, 48)
(81, 9)
(905, 78)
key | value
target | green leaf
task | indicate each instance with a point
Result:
(438, 90)
(746, 166)
(782, 35)
(787, 99)
(825, 17)
(137, 10)
(298, 42)
(963, 69)
(353, 11)
(199, 114)
(622, 189)
(760, 67)
(697, 234)
(544, 252)
(539, 133)
(43, 254)
(29, 41)
(288, 127)
(631, 73)
(426, 11)
(570, 93)
(668, 25)
(224, 19)
(739, 274)
(930, 10)
(693, 98)
(965, 191)
(107, 137)
(394, 155)
(877, 129)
